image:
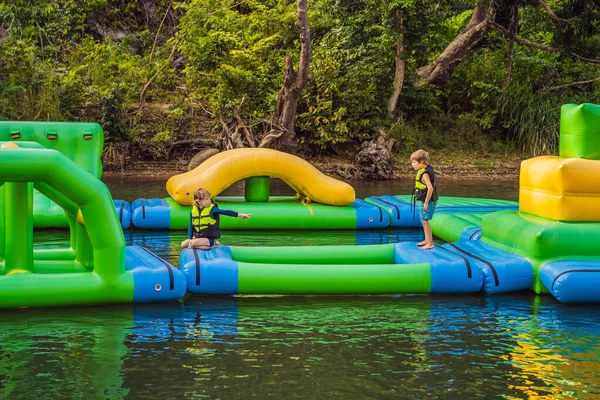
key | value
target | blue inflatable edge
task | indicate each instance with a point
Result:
(369, 216)
(154, 278)
(152, 213)
(123, 209)
(473, 233)
(572, 281)
(449, 273)
(210, 271)
(502, 271)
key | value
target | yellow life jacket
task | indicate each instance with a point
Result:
(204, 225)
(420, 191)
(418, 184)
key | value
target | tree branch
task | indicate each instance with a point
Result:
(159, 28)
(200, 141)
(551, 12)
(240, 123)
(439, 70)
(302, 24)
(522, 42)
(587, 60)
(294, 82)
(512, 27)
(548, 49)
(270, 137)
(569, 84)
(181, 37)
(400, 64)
(149, 82)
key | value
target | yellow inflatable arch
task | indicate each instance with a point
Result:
(223, 169)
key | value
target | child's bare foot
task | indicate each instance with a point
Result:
(423, 243)
(427, 247)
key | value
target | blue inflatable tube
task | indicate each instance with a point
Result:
(454, 268)
(152, 213)
(403, 214)
(154, 278)
(209, 272)
(449, 272)
(502, 271)
(473, 233)
(123, 212)
(159, 213)
(572, 281)
(483, 267)
(369, 216)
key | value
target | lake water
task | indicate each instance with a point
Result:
(314, 347)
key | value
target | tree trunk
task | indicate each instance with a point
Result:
(294, 81)
(399, 74)
(439, 71)
(234, 130)
(291, 94)
(512, 27)
(374, 158)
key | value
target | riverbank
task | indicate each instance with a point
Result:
(449, 165)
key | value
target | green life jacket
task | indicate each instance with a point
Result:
(420, 191)
(204, 225)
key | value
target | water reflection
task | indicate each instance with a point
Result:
(405, 347)
(516, 346)
(64, 353)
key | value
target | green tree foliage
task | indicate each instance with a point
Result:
(347, 97)
(236, 49)
(148, 69)
(111, 107)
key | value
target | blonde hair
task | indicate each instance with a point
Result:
(201, 194)
(421, 156)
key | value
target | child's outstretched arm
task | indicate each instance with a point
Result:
(216, 210)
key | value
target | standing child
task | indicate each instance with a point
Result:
(204, 221)
(425, 192)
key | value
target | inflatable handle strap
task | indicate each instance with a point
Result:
(305, 202)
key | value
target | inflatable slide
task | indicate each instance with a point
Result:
(321, 202)
(223, 169)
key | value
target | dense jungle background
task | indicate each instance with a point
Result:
(469, 79)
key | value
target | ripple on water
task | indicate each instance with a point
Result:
(407, 346)
(380, 347)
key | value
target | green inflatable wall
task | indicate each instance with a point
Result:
(80, 142)
(541, 240)
(580, 131)
(279, 208)
(92, 270)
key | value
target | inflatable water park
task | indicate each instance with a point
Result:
(50, 178)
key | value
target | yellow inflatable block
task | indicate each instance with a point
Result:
(223, 169)
(560, 189)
